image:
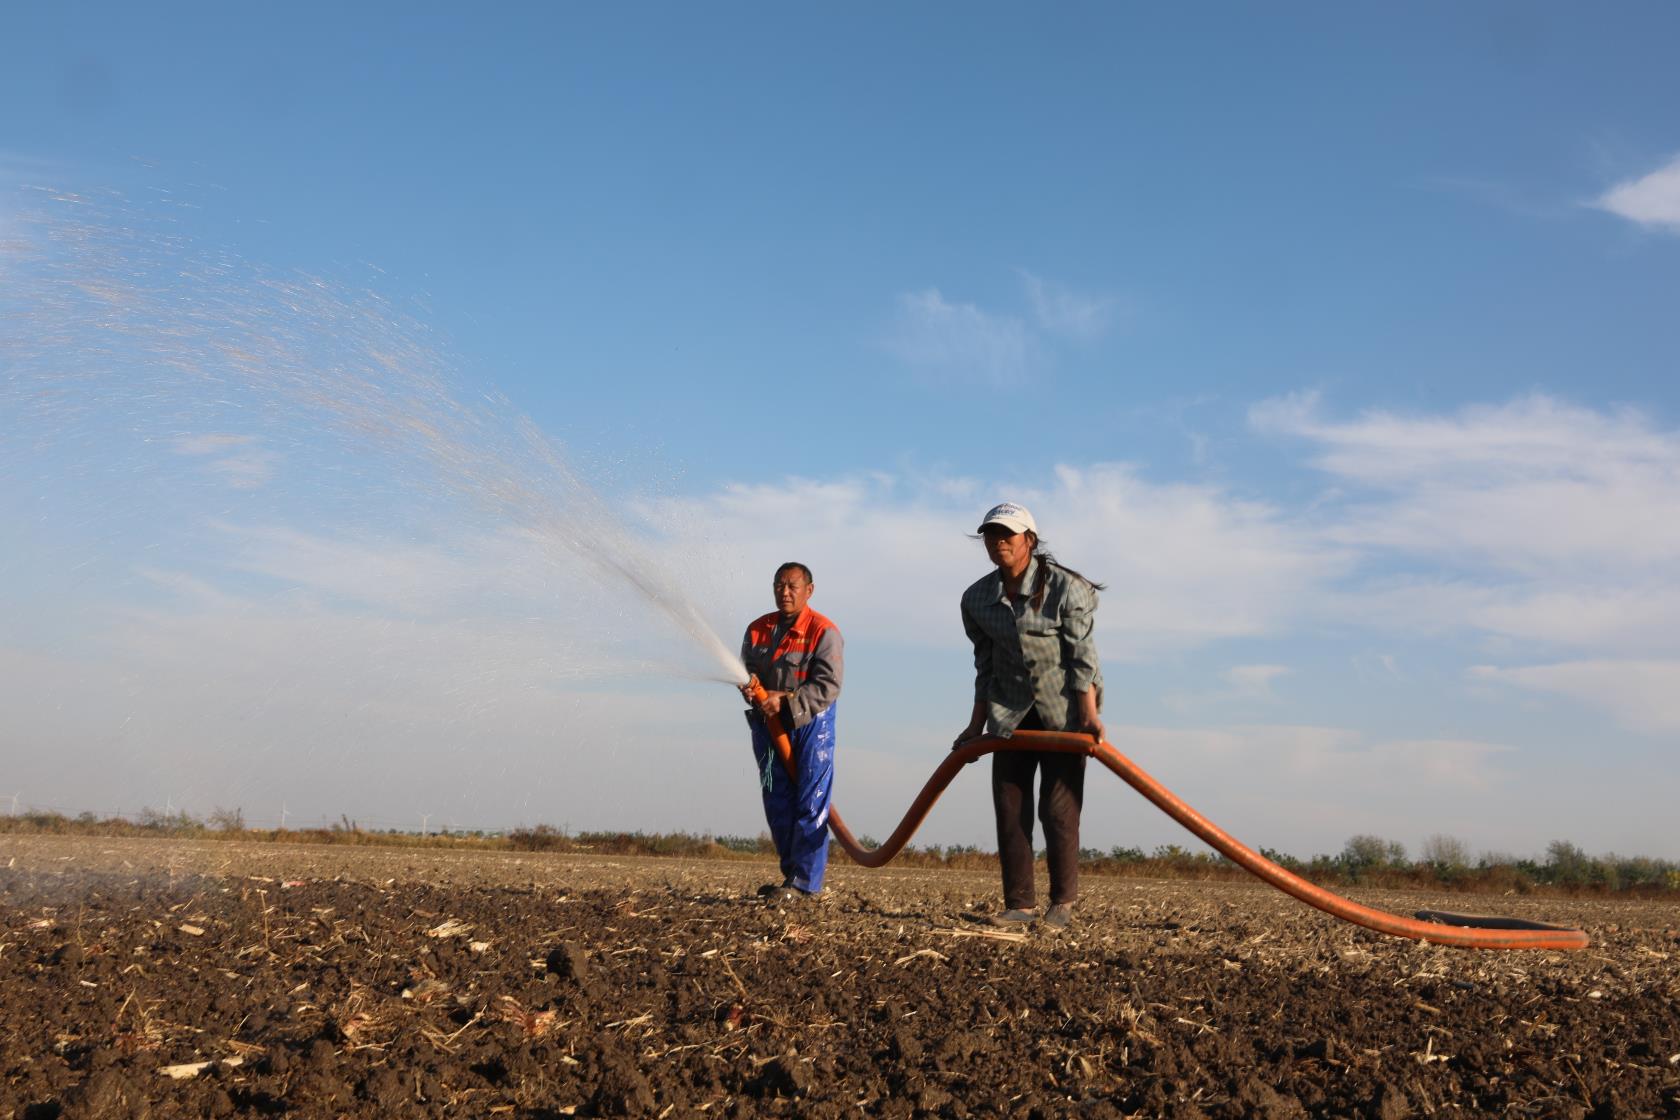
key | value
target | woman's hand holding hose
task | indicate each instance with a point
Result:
(1090, 720)
(976, 726)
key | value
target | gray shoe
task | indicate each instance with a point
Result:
(1013, 919)
(1059, 916)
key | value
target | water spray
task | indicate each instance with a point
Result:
(125, 341)
(1439, 927)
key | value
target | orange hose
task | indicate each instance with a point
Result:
(1462, 930)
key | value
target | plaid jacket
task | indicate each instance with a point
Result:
(1026, 655)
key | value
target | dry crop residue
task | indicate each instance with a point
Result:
(159, 979)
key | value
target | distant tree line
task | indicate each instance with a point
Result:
(1365, 860)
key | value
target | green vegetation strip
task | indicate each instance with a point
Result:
(1370, 861)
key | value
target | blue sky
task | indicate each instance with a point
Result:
(1340, 343)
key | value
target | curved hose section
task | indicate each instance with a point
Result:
(1442, 928)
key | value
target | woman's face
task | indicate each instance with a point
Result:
(1009, 551)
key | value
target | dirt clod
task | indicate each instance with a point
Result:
(1391, 1103)
(1261, 1101)
(570, 962)
(622, 1091)
(787, 1075)
(106, 1094)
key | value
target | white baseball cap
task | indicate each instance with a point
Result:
(1012, 517)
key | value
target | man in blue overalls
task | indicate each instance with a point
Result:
(796, 654)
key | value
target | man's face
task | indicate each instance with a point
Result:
(792, 592)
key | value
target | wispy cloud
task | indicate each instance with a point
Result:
(516, 649)
(1519, 438)
(960, 340)
(361, 572)
(17, 167)
(12, 246)
(238, 460)
(1064, 313)
(1240, 684)
(250, 701)
(1254, 682)
(1652, 200)
(210, 444)
(1532, 486)
(1306, 789)
(1546, 524)
(21, 176)
(1216, 566)
(1643, 695)
(965, 342)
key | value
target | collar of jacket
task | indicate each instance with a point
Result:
(1026, 581)
(800, 623)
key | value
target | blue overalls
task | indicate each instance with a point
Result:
(797, 813)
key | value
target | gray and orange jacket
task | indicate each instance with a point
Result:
(804, 658)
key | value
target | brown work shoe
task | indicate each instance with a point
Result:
(1013, 919)
(1059, 916)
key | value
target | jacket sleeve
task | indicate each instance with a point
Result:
(1077, 633)
(982, 655)
(824, 671)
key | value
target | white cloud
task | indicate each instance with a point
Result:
(406, 653)
(497, 678)
(1627, 617)
(219, 700)
(891, 554)
(238, 460)
(19, 172)
(287, 642)
(245, 472)
(266, 701)
(210, 444)
(1061, 312)
(1241, 684)
(1254, 682)
(13, 246)
(960, 340)
(360, 572)
(1186, 563)
(602, 616)
(1532, 487)
(1213, 567)
(1544, 525)
(1652, 200)
(1530, 437)
(1306, 789)
(1643, 695)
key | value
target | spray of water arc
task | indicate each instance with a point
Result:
(117, 330)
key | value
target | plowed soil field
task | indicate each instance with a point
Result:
(189, 979)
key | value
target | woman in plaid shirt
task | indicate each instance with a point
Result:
(1035, 668)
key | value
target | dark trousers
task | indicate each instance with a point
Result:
(1060, 798)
